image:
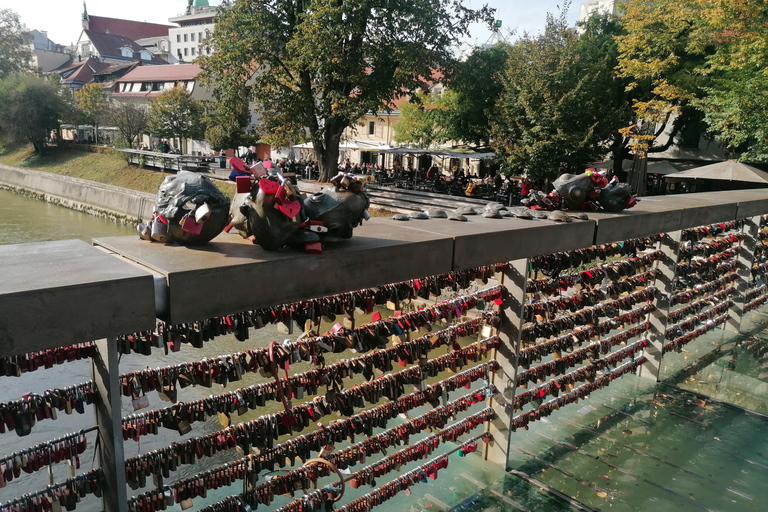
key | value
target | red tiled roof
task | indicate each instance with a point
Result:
(164, 73)
(83, 71)
(109, 45)
(127, 28)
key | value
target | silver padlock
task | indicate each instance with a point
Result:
(159, 231)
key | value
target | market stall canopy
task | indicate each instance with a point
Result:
(350, 144)
(464, 154)
(452, 153)
(725, 171)
(406, 151)
(662, 167)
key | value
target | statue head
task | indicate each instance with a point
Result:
(616, 197)
(188, 195)
(339, 211)
(274, 217)
(574, 189)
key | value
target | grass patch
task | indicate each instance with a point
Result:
(110, 168)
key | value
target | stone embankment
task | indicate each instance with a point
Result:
(116, 203)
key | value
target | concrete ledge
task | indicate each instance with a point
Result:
(659, 214)
(118, 203)
(54, 294)
(231, 274)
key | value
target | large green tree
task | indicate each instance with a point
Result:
(735, 103)
(226, 121)
(31, 108)
(320, 65)
(476, 85)
(92, 106)
(130, 119)
(423, 119)
(562, 105)
(174, 114)
(14, 44)
(661, 52)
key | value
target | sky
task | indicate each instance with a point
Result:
(61, 18)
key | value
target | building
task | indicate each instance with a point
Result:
(144, 83)
(194, 26)
(113, 40)
(591, 7)
(159, 46)
(113, 49)
(46, 55)
(147, 82)
(133, 30)
(75, 75)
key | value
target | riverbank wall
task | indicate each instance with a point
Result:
(119, 204)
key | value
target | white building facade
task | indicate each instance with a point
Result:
(194, 26)
(592, 7)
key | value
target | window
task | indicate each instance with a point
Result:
(199, 36)
(185, 38)
(192, 36)
(179, 53)
(186, 51)
(371, 128)
(126, 52)
(193, 50)
(145, 55)
(209, 51)
(178, 38)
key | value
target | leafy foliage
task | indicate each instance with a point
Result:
(562, 104)
(130, 119)
(423, 119)
(321, 65)
(476, 87)
(661, 51)
(736, 101)
(30, 108)
(174, 114)
(14, 41)
(226, 122)
(91, 105)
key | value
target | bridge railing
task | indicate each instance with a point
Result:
(470, 330)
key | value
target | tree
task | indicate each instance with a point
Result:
(91, 105)
(174, 114)
(130, 119)
(476, 86)
(321, 65)
(561, 105)
(226, 122)
(14, 44)
(30, 108)
(735, 104)
(423, 119)
(662, 52)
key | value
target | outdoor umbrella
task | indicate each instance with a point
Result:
(726, 171)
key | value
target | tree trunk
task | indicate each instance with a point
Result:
(327, 154)
(638, 176)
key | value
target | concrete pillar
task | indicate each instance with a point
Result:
(106, 374)
(514, 279)
(745, 258)
(667, 266)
